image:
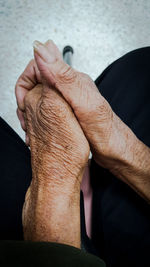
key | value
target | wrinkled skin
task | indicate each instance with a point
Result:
(56, 139)
(50, 125)
(107, 135)
(113, 144)
(54, 133)
(58, 158)
(91, 109)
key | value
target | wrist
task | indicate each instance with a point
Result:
(46, 214)
(127, 158)
(61, 173)
(115, 148)
(56, 186)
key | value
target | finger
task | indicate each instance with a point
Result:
(29, 78)
(53, 49)
(54, 71)
(27, 81)
(77, 88)
(20, 115)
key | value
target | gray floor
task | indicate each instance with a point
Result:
(99, 31)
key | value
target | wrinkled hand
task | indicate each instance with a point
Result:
(93, 112)
(113, 144)
(56, 139)
(52, 129)
(59, 153)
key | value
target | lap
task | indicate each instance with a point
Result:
(15, 177)
(45, 254)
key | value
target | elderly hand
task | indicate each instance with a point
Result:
(48, 119)
(113, 144)
(56, 138)
(59, 153)
(93, 112)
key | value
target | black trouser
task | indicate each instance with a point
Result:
(121, 219)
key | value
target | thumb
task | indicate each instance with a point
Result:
(54, 71)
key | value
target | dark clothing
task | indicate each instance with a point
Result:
(42, 254)
(121, 219)
(15, 178)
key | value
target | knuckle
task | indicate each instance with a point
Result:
(54, 110)
(85, 77)
(66, 75)
(32, 96)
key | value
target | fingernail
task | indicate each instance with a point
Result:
(37, 45)
(43, 52)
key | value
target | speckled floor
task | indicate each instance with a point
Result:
(99, 31)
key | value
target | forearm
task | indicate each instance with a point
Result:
(127, 158)
(52, 210)
(133, 165)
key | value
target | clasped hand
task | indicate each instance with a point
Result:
(64, 116)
